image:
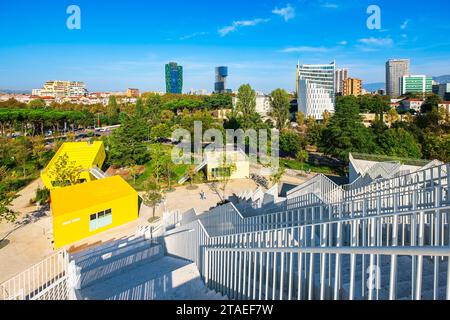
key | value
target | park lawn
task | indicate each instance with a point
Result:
(295, 165)
(178, 172)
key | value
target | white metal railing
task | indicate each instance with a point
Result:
(416, 216)
(46, 280)
(329, 273)
(321, 186)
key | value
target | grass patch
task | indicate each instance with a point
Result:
(178, 172)
(295, 165)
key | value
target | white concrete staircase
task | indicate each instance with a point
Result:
(139, 271)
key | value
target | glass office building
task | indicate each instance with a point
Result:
(316, 89)
(416, 84)
(395, 70)
(221, 79)
(174, 78)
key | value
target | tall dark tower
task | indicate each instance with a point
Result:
(221, 79)
(174, 78)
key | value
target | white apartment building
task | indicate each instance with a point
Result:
(317, 89)
(61, 89)
(340, 77)
(263, 106)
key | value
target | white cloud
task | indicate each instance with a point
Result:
(305, 49)
(193, 35)
(343, 43)
(404, 24)
(287, 12)
(378, 42)
(238, 24)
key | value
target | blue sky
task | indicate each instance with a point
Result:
(125, 44)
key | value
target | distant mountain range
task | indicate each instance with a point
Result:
(371, 87)
(442, 79)
(9, 91)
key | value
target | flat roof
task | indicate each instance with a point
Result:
(85, 195)
(83, 153)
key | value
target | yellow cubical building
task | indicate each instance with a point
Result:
(86, 155)
(84, 210)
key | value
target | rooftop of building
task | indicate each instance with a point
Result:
(89, 194)
(383, 158)
(83, 153)
(233, 155)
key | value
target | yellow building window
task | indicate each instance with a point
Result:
(100, 220)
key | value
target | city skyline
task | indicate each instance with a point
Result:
(123, 45)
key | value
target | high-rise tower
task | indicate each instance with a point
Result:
(174, 78)
(316, 89)
(395, 70)
(221, 79)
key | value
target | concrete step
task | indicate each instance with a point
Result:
(106, 248)
(119, 262)
(164, 279)
(98, 257)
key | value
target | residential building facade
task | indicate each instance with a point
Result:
(174, 78)
(316, 89)
(61, 89)
(263, 104)
(352, 87)
(133, 93)
(340, 78)
(411, 104)
(395, 70)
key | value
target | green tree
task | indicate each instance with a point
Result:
(302, 157)
(21, 150)
(276, 177)
(246, 100)
(300, 118)
(392, 116)
(400, 143)
(431, 103)
(37, 104)
(168, 168)
(153, 194)
(113, 110)
(6, 213)
(291, 142)
(226, 170)
(280, 108)
(65, 172)
(139, 110)
(346, 132)
(127, 143)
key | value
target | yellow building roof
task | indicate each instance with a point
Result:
(82, 196)
(83, 153)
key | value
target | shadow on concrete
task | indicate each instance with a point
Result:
(4, 243)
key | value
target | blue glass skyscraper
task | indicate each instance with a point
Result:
(221, 78)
